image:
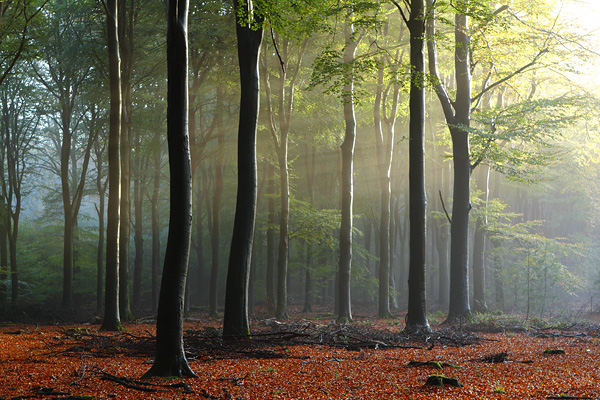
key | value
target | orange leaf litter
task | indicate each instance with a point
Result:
(33, 365)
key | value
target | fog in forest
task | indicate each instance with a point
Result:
(532, 240)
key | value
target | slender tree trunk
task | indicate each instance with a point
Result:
(126, 42)
(112, 320)
(204, 282)
(284, 214)
(170, 357)
(310, 156)
(271, 248)
(479, 243)
(235, 321)
(3, 263)
(155, 223)
(215, 238)
(138, 196)
(347, 150)
(416, 319)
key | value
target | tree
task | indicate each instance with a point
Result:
(417, 310)
(126, 47)
(18, 136)
(16, 20)
(249, 35)
(279, 123)
(112, 319)
(65, 82)
(170, 357)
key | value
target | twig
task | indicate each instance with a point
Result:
(444, 207)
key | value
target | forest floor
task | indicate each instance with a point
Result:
(306, 358)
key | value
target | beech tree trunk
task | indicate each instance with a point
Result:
(271, 248)
(479, 243)
(112, 319)
(458, 116)
(344, 311)
(416, 319)
(170, 357)
(215, 238)
(249, 37)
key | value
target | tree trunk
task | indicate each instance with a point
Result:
(170, 357)
(310, 156)
(215, 238)
(479, 243)
(271, 248)
(112, 320)
(458, 115)
(416, 319)
(344, 311)
(126, 42)
(235, 322)
(284, 214)
(155, 223)
(203, 284)
(138, 200)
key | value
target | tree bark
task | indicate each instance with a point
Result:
(271, 248)
(215, 239)
(416, 319)
(458, 115)
(479, 243)
(235, 321)
(170, 357)
(344, 311)
(112, 319)
(155, 223)
(126, 43)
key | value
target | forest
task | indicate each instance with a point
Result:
(411, 166)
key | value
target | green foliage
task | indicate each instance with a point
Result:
(518, 140)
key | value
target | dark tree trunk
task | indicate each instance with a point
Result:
(170, 357)
(416, 319)
(458, 115)
(138, 200)
(344, 311)
(310, 156)
(155, 223)
(3, 263)
(235, 321)
(479, 243)
(203, 285)
(112, 320)
(271, 248)
(284, 215)
(215, 238)
(101, 184)
(126, 42)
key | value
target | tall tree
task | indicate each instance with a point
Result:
(347, 177)
(384, 143)
(112, 318)
(249, 34)
(65, 81)
(170, 357)
(279, 122)
(18, 136)
(417, 311)
(126, 47)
